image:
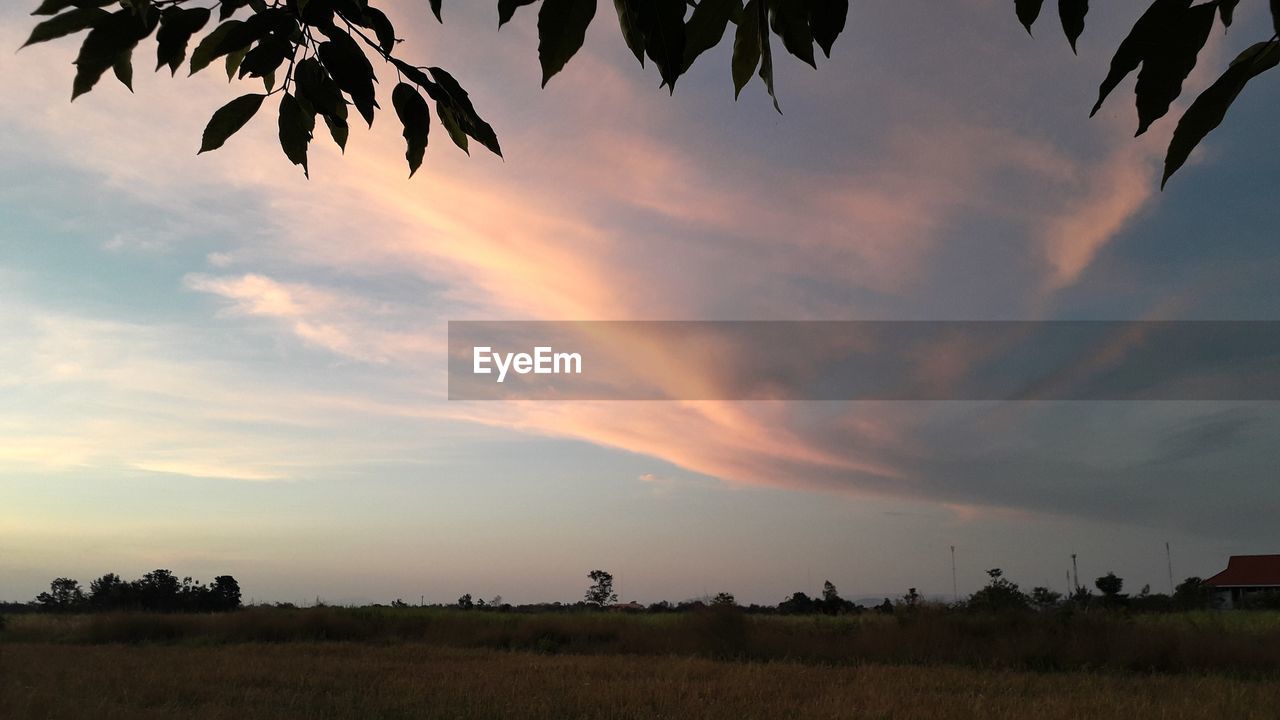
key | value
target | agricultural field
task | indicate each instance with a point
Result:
(378, 663)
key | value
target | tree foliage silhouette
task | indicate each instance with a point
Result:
(315, 54)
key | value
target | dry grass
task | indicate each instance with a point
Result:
(1243, 644)
(413, 680)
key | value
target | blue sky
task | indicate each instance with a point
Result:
(213, 365)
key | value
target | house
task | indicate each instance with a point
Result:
(1245, 575)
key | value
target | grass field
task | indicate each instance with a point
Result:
(337, 663)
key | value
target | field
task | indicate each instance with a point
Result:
(335, 663)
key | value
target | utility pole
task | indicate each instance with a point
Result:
(955, 588)
(1169, 556)
(1075, 574)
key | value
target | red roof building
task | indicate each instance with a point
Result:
(1245, 575)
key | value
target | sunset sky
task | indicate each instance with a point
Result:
(213, 365)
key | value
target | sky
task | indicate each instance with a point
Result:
(213, 365)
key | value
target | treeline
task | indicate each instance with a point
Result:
(156, 591)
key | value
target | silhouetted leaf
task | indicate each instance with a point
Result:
(65, 24)
(664, 38)
(826, 20)
(110, 37)
(123, 68)
(1072, 14)
(213, 46)
(351, 70)
(562, 26)
(296, 126)
(1209, 110)
(338, 130)
(507, 8)
(791, 23)
(382, 28)
(1155, 23)
(435, 8)
(450, 92)
(1275, 16)
(631, 22)
(412, 110)
(452, 126)
(228, 120)
(706, 27)
(266, 56)
(1227, 10)
(1028, 11)
(177, 25)
(234, 58)
(53, 7)
(746, 47)
(1168, 63)
(315, 85)
(229, 7)
(766, 57)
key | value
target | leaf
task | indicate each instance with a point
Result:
(452, 126)
(229, 119)
(1072, 14)
(110, 37)
(460, 103)
(65, 24)
(1275, 16)
(1167, 65)
(1028, 11)
(1210, 108)
(631, 22)
(383, 28)
(1153, 24)
(766, 58)
(351, 70)
(746, 47)
(790, 23)
(229, 8)
(507, 8)
(296, 126)
(435, 8)
(706, 27)
(123, 68)
(562, 27)
(338, 130)
(177, 25)
(53, 7)
(826, 21)
(212, 46)
(266, 56)
(318, 89)
(664, 38)
(1227, 11)
(412, 110)
(233, 61)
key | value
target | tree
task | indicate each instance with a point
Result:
(999, 595)
(1044, 598)
(1110, 586)
(724, 599)
(600, 592)
(1192, 594)
(315, 55)
(465, 602)
(64, 594)
(225, 593)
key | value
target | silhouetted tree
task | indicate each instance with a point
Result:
(798, 604)
(1044, 598)
(1192, 594)
(1110, 586)
(724, 599)
(999, 595)
(315, 55)
(465, 602)
(600, 593)
(64, 595)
